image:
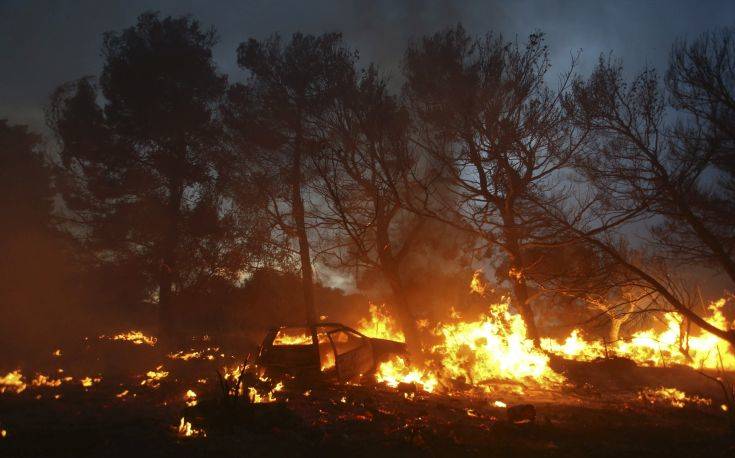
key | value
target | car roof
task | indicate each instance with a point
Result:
(318, 325)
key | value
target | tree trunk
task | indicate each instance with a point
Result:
(405, 315)
(389, 267)
(168, 263)
(307, 275)
(727, 335)
(518, 278)
(615, 325)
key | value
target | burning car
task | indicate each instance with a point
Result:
(324, 351)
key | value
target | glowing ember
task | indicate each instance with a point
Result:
(57, 352)
(12, 381)
(258, 398)
(671, 396)
(136, 337)
(44, 380)
(190, 398)
(380, 325)
(89, 381)
(186, 356)
(500, 404)
(154, 377)
(122, 394)
(186, 430)
(3, 433)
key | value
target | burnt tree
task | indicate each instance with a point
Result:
(362, 177)
(498, 135)
(278, 119)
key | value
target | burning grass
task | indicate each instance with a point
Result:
(476, 373)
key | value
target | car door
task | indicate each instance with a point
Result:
(353, 354)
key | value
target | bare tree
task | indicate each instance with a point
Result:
(361, 176)
(498, 135)
(655, 159)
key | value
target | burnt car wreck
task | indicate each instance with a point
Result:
(330, 352)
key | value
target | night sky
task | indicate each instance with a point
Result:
(46, 43)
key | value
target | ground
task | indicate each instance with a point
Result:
(598, 413)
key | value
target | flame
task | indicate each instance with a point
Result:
(154, 377)
(380, 325)
(186, 356)
(398, 371)
(12, 381)
(186, 430)
(190, 398)
(671, 396)
(493, 347)
(194, 354)
(136, 337)
(658, 348)
(44, 380)
(258, 398)
(89, 381)
(476, 284)
(286, 337)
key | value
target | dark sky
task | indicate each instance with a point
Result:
(45, 43)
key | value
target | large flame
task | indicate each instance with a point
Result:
(380, 324)
(495, 347)
(658, 348)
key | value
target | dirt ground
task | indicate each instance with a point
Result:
(598, 413)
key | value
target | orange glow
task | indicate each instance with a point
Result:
(380, 325)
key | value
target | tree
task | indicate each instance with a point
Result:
(278, 115)
(140, 174)
(654, 158)
(498, 134)
(37, 272)
(27, 195)
(362, 176)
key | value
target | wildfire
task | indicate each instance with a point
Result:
(194, 354)
(186, 430)
(658, 348)
(495, 347)
(190, 398)
(476, 284)
(380, 325)
(285, 338)
(12, 381)
(398, 371)
(136, 337)
(44, 380)
(258, 398)
(89, 381)
(671, 396)
(154, 377)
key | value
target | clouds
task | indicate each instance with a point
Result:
(45, 43)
